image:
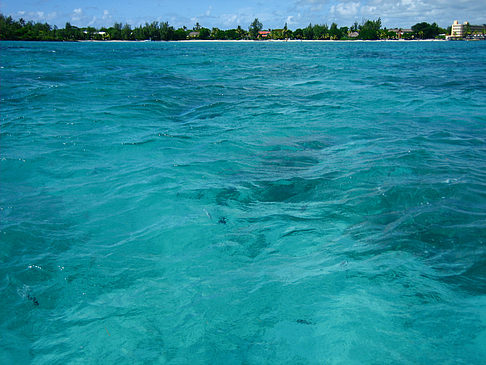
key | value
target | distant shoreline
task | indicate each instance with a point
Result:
(244, 41)
(266, 41)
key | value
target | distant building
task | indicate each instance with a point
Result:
(467, 30)
(353, 34)
(193, 34)
(457, 29)
(264, 33)
(400, 31)
(97, 35)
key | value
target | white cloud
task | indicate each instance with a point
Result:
(346, 9)
(52, 15)
(92, 21)
(402, 13)
(77, 15)
(37, 16)
(106, 17)
(229, 20)
(297, 13)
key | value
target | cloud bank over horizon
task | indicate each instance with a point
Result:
(224, 14)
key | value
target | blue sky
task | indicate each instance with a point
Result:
(229, 13)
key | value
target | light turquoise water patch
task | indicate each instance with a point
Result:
(253, 203)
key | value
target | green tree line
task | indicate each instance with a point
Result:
(11, 29)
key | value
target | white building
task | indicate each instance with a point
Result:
(467, 30)
(457, 29)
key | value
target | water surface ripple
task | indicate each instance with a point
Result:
(250, 203)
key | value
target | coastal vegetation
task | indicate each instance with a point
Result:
(255, 27)
(426, 31)
(11, 29)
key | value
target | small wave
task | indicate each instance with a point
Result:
(139, 143)
(308, 83)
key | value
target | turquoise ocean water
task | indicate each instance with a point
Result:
(249, 203)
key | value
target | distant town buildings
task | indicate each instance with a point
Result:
(466, 30)
(400, 31)
(264, 33)
(97, 35)
(457, 29)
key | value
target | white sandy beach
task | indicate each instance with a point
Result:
(268, 40)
